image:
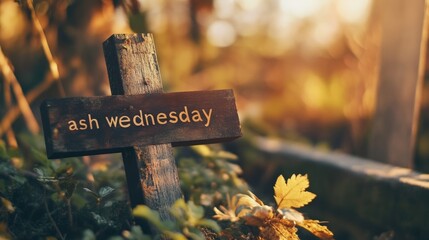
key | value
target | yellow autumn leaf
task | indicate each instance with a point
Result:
(318, 230)
(292, 194)
(276, 230)
(203, 150)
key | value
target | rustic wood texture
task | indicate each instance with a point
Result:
(133, 68)
(84, 126)
(214, 111)
(403, 47)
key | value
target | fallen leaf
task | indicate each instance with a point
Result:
(292, 194)
(318, 230)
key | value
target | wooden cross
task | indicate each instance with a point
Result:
(140, 121)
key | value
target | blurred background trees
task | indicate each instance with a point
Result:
(302, 70)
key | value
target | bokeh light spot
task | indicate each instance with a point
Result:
(221, 34)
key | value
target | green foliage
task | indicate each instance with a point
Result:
(209, 175)
(61, 199)
(41, 198)
(189, 222)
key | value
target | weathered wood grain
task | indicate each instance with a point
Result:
(214, 111)
(151, 171)
(80, 126)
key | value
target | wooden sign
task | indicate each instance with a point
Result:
(139, 121)
(84, 126)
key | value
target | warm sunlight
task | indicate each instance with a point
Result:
(209, 119)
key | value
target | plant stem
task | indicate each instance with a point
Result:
(15, 111)
(53, 66)
(10, 135)
(52, 220)
(24, 106)
(70, 215)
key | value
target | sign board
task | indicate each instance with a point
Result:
(139, 121)
(93, 125)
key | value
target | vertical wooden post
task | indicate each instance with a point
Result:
(133, 69)
(402, 64)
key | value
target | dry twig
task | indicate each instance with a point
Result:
(10, 136)
(51, 219)
(14, 112)
(23, 104)
(53, 67)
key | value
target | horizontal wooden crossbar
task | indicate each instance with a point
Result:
(94, 125)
